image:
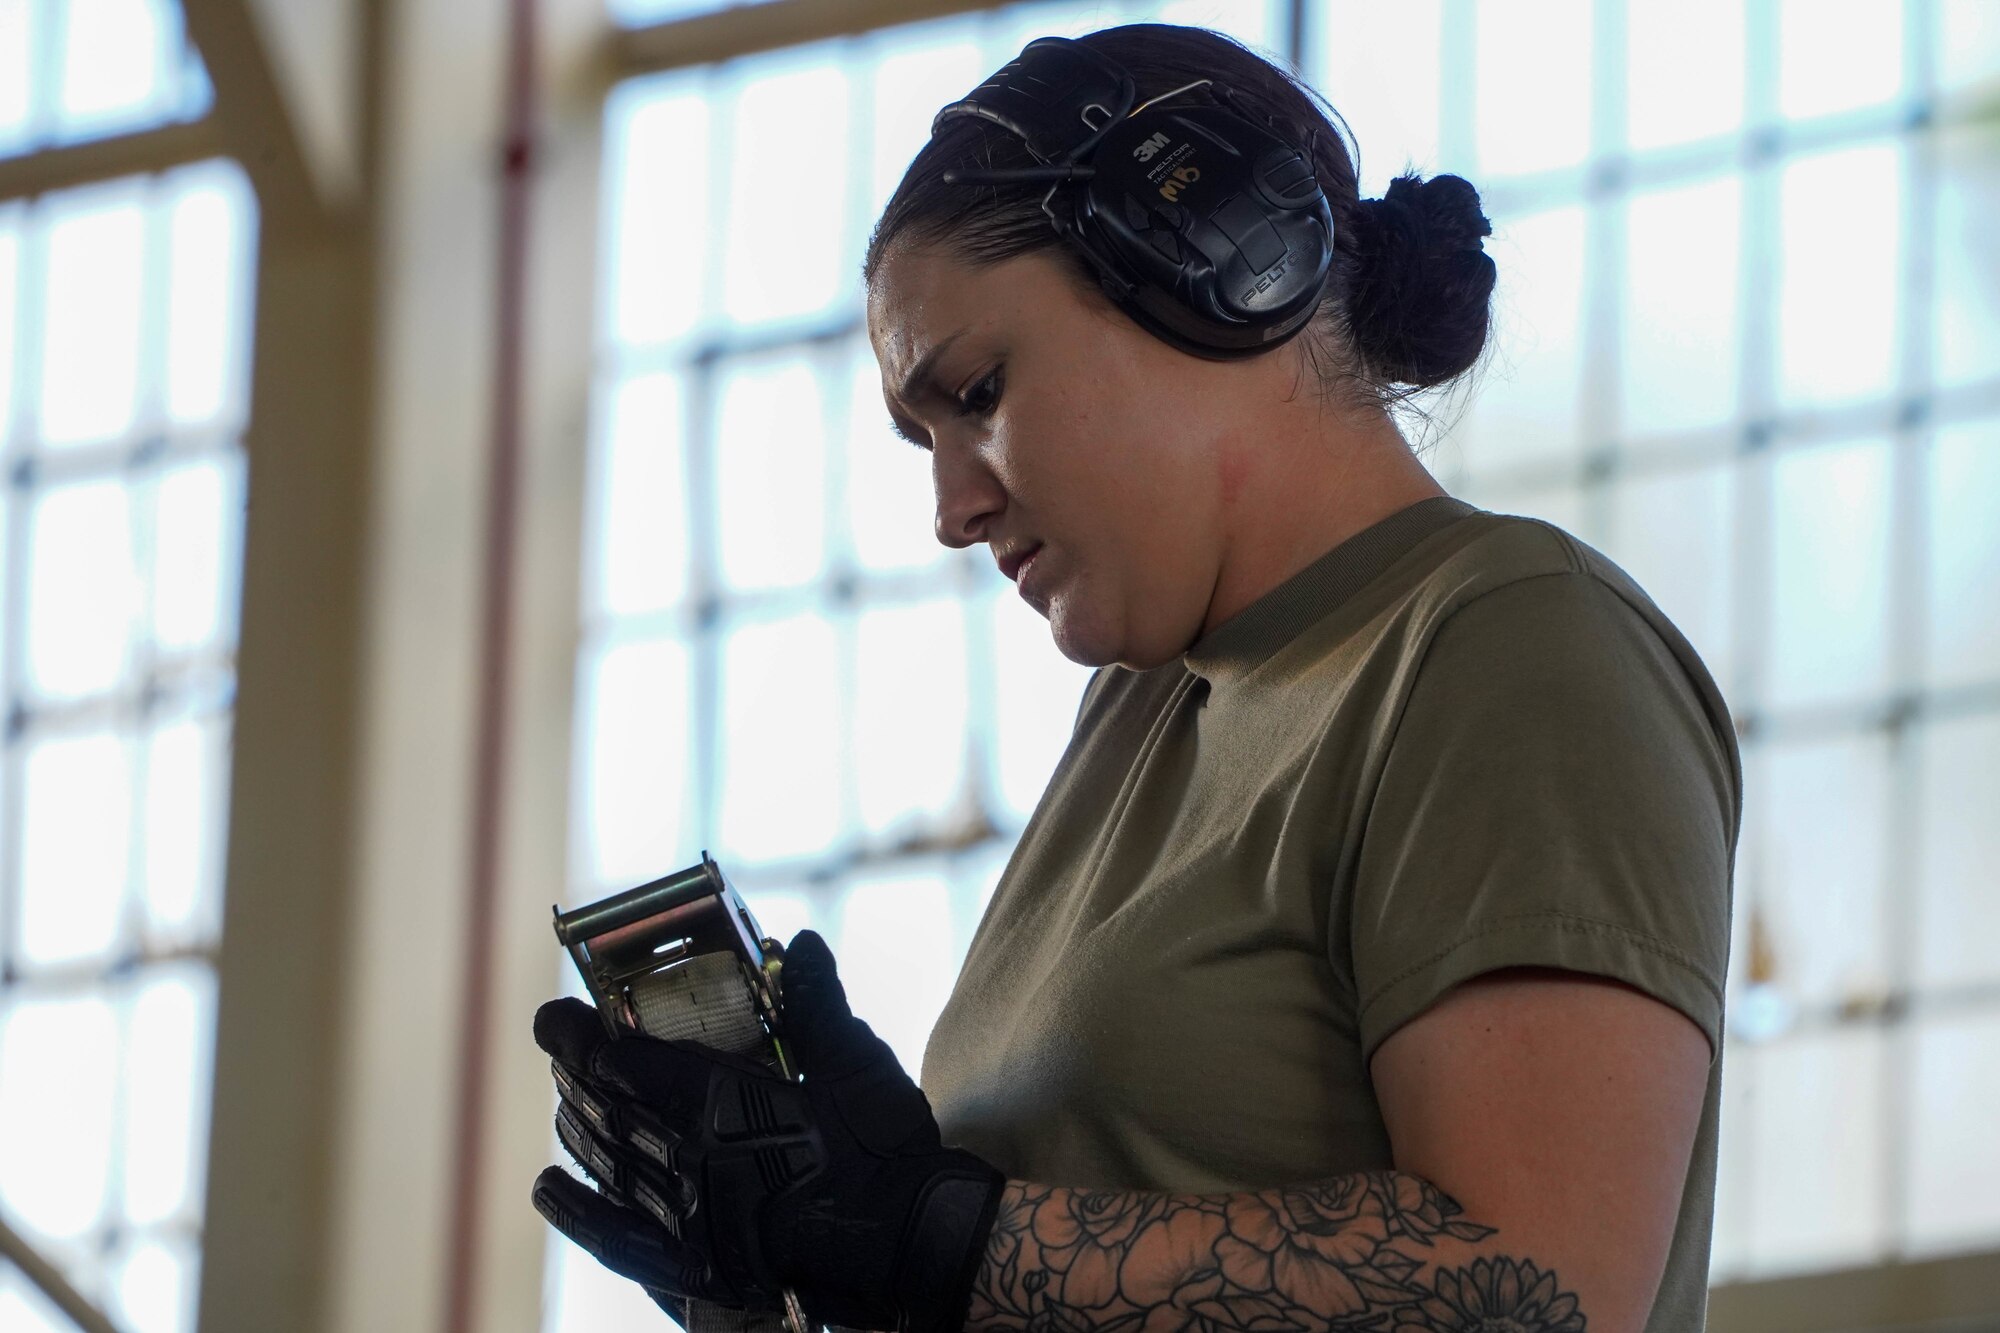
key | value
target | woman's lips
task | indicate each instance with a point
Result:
(1024, 572)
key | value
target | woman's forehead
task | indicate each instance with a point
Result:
(913, 284)
(919, 295)
(916, 299)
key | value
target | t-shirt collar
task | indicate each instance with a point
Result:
(1246, 639)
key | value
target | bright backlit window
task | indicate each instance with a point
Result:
(124, 334)
(1748, 345)
(124, 331)
(82, 69)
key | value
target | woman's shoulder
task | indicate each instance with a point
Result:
(1499, 550)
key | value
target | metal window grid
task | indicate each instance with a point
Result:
(155, 685)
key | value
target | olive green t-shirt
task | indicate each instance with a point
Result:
(1458, 741)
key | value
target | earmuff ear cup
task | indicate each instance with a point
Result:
(1209, 230)
(1213, 233)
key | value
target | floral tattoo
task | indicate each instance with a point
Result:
(1340, 1256)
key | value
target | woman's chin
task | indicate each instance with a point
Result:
(1077, 636)
(1094, 642)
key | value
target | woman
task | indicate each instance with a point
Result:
(1362, 964)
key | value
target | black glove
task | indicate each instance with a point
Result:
(721, 1181)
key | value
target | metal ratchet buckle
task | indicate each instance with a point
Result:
(642, 944)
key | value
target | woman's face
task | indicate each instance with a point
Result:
(1054, 421)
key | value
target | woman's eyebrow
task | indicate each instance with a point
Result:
(913, 381)
(914, 386)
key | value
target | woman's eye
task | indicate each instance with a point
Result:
(983, 397)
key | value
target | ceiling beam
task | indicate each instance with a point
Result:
(256, 118)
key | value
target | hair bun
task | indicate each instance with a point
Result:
(1419, 304)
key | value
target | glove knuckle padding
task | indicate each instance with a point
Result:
(758, 1140)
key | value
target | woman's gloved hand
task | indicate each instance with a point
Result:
(721, 1181)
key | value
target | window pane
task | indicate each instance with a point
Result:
(891, 505)
(1816, 1167)
(81, 69)
(75, 836)
(1255, 23)
(1954, 1155)
(1673, 532)
(1834, 55)
(1527, 409)
(92, 309)
(1826, 850)
(1965, 336)
(1039, 690)
(23, 1308)
(1681, 306)
(893, 947)
(920, 68)
(658, 288)
(634, 13)
(1684, 77)
(19, 20)
(208, 300)
(116, 64)
(1837, 336)
(770, 463)
(83, 589)
(781, 769)
(910, 714)
(1963, 577)
(793, 110)
(1958, 852)
(57, 1094)
(10, 297)
(779, 914)
(1967, 46)
(639, 496)
(197, 524)
(1560, 505)
(1735, 1142)
(166, 1074)
(1390, 105)
(154, 1286)
(583, 1296)
(1532, 85)
(187, 804)
(636, 753)
(1830, 594)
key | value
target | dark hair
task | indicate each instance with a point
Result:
(1409, 300)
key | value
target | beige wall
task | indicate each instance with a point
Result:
(344, 969)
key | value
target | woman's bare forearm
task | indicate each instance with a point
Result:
(1335, 1254)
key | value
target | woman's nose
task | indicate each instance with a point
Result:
(968, 495)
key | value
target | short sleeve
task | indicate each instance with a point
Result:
(1555, 794)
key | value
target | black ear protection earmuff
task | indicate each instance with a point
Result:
(1206, 227)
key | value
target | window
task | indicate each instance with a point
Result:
(1746, 347)
(72, 70)
(124, 334)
